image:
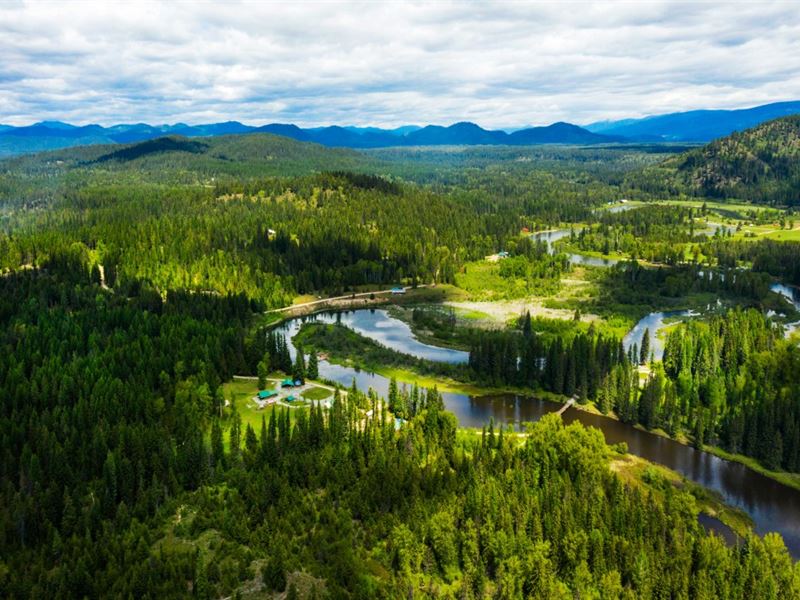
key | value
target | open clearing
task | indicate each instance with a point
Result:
(503, 311)
(242, 390)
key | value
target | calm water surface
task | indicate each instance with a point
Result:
(550, 237)
(712, 524)
(654, 322)
(377, 325)
(772, 506)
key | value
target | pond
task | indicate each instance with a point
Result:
(592, 261)
(552, 236)
(618, 208)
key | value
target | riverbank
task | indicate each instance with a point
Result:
(791, 480)
(440, 325)
(656, 479)
(475, 405)
(430, 294)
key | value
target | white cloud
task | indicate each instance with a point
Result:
(390, 63)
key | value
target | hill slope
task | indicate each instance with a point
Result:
(761, 165)
(251, 155)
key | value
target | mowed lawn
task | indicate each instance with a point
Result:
(242, 391)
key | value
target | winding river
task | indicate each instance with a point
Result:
(771, 505)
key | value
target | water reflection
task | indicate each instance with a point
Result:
(714, 525)
(772, 506)
(654, 322)
(377, 325)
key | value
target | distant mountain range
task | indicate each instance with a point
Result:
(694, 126)
(51, 135)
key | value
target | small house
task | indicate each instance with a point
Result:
(398, 290)
(266, 394)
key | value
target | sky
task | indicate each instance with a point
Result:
(499, 64)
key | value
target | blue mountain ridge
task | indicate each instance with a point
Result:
(692, 126)
(695, 125)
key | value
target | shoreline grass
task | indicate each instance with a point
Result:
(791, 480)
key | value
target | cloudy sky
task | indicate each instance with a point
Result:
(390, 63)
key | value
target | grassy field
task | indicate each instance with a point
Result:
(441, 293)
(771, 231)
(472, 315)
(241, 391)
(482, 281)
(739, 207)
(315, 394)
(745, 212)
(443, 384)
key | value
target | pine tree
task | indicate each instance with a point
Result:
(274, 573)
(393, 395)
(526, 325)
(699, 429)
(217, 448)
(299, 371)
(250, 443)
(235, 433)
(201, 588)
(313, 366)
(644, 351)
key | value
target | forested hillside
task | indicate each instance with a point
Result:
(133, 278)
(110, 486)
(270, 239)
(272, 218)
(177, 158)
(759, 165)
